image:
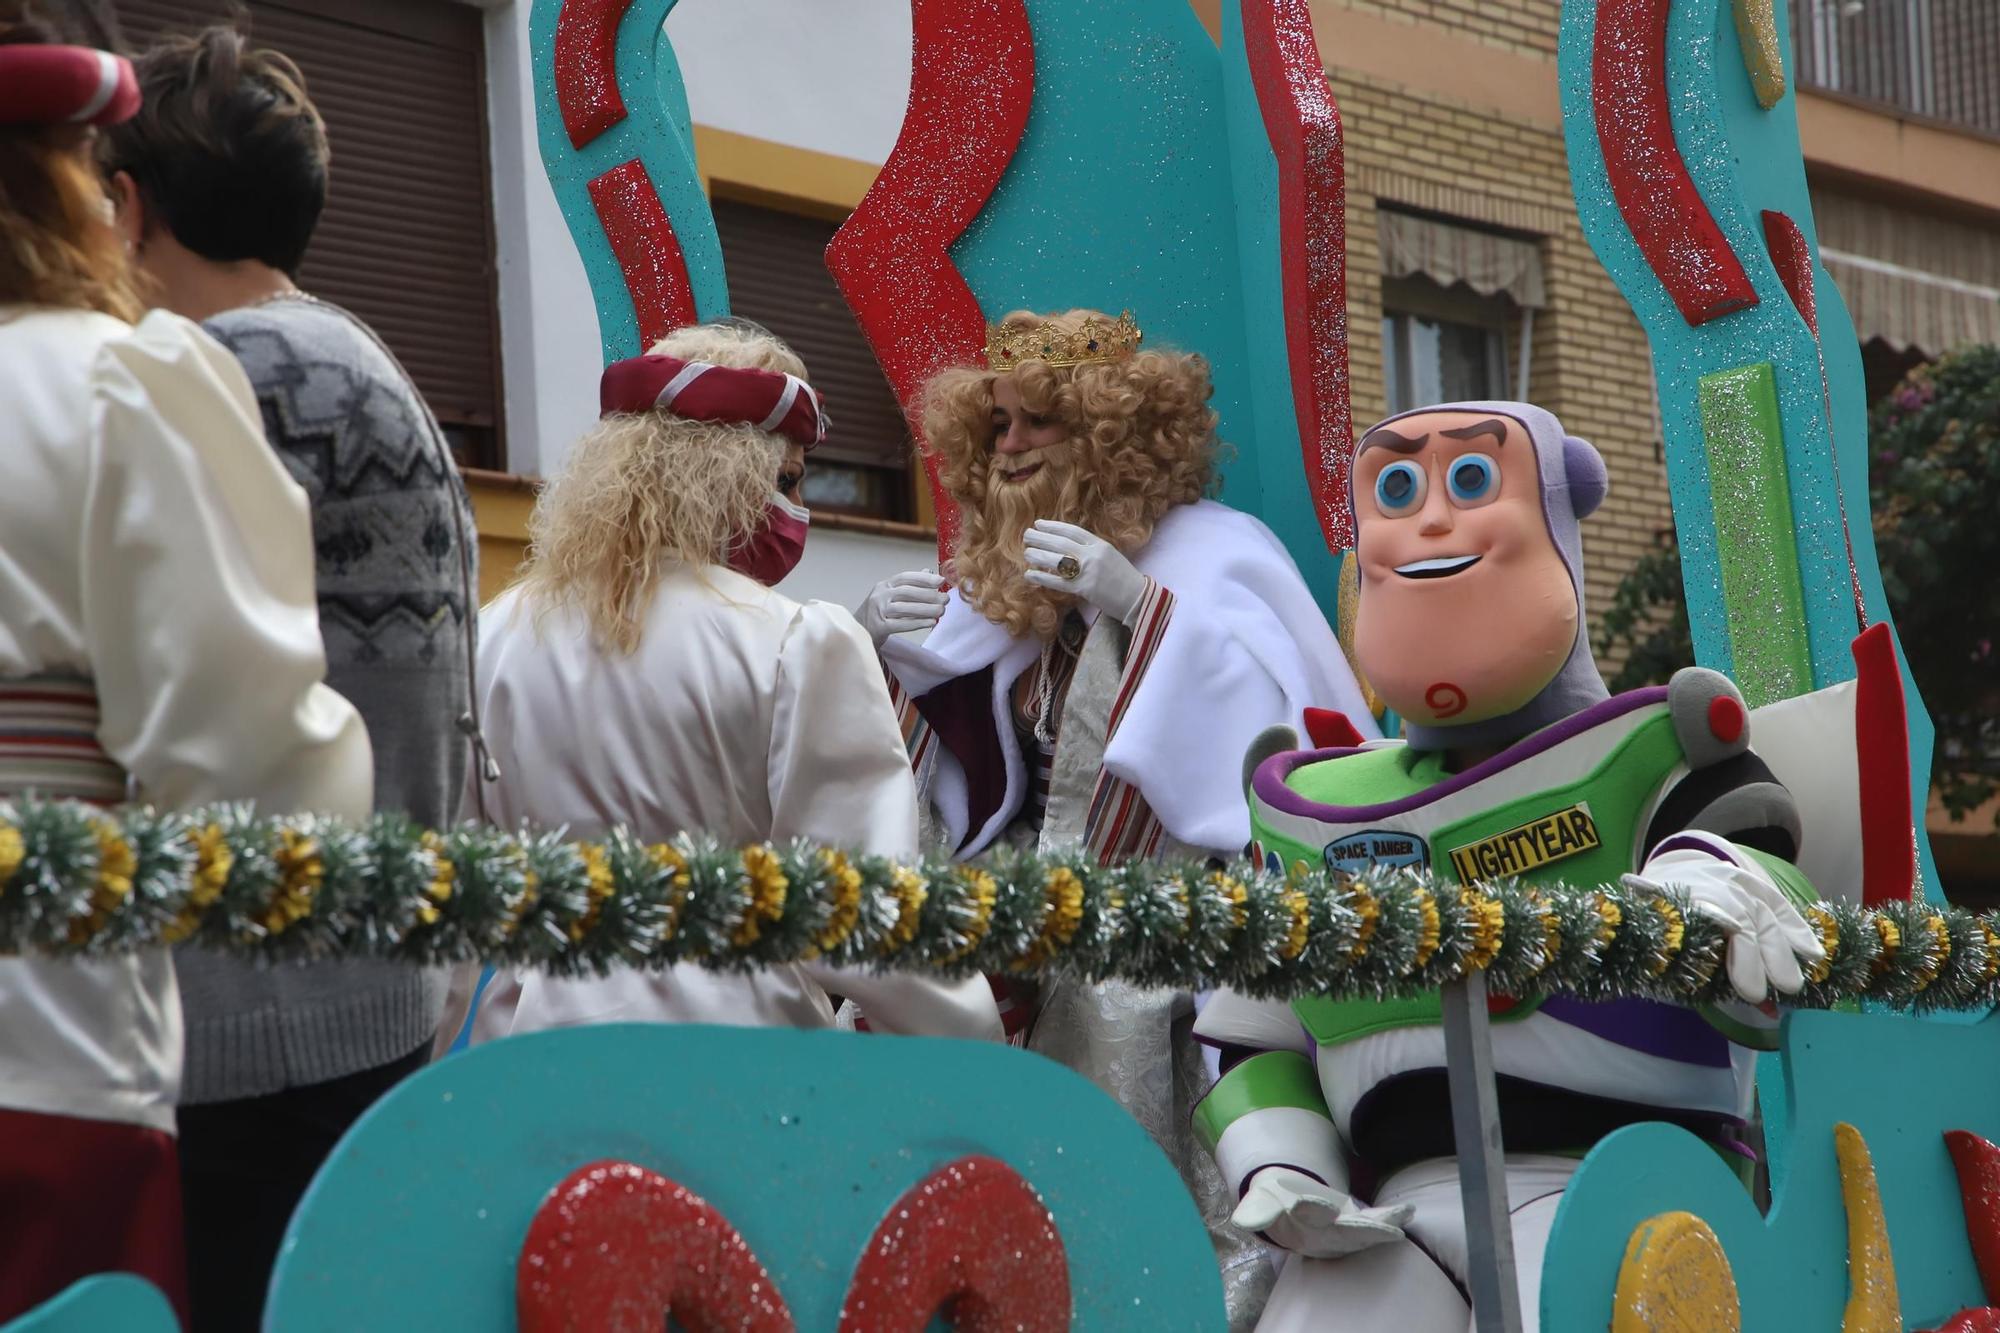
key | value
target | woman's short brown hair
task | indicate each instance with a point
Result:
(57, 246)
(228, 152)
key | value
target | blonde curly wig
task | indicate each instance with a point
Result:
(1141, 440)
(642, 491)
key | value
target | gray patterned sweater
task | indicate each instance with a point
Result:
(353, 432)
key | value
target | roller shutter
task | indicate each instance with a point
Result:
(777, 277)
(406, 241)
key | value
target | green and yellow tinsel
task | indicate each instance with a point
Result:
(80, 882)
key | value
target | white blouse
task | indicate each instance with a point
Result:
(742, 714)
(151, 542)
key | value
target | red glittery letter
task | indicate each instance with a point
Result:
(1978, 1165)
(1793, 260)
(616, 1248)
(1303, 124)
(641, 235)
(1882, 749)
(971, 1235)
(586, 67)
(971, 83)
(1656, 196)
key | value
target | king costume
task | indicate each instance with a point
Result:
(1122, 734)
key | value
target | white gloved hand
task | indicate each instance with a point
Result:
(1767, 935)
(911, 600)
(1300, 1214)
(1104, 577)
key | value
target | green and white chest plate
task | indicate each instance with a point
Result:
(1571, 803)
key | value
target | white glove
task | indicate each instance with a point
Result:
(1767, 935)
(1304, 1216)
(1104, 577)
(911, 600)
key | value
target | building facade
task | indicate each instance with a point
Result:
(1468, 275)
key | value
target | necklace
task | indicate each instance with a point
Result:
(288, 294)
(1046, 695)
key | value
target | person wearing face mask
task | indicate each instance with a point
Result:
(1113, 640)
(643, 672)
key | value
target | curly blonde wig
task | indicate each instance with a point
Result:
(642, 491)
(1141, 440)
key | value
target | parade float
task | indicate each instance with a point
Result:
(772, 1180)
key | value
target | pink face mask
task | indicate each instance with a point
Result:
(774, 549)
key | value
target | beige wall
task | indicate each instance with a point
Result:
(1527, 26)
(500, 505)
(1493, 155)
(1452, 106)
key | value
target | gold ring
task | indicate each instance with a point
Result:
(1067, 569)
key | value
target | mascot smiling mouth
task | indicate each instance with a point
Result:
(1442, 567)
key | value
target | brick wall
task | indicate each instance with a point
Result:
(1527, 26)
(1589, 362)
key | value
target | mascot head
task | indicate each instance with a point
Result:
(1470, 615)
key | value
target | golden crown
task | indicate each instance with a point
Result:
(1095, 339)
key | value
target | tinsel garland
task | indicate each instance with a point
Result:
(81, 882)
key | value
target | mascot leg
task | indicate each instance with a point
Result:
(1395, 1286)
(1535, 1183)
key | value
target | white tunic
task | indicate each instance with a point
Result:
(743, 714)
(150, 541)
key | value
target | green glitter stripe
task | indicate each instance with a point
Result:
(1762, 596)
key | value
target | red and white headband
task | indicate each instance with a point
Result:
(65, 85)
(782, 404)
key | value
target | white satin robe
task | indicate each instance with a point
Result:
(151, 542)
(743, 714)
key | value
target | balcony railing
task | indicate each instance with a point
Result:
(1934, 58)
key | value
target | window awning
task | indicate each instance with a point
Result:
(1446, 253)
(1913, 281)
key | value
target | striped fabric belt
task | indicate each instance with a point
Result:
(49, 745)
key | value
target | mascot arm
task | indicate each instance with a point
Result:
(1268, 1111)
(1790, 880)
(1760, 899)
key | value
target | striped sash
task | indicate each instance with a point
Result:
(48, 742)
(1121, 826)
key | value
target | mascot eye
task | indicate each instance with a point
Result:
(1399, 489)
(1473, 479)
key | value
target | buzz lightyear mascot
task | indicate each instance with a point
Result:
(1515, 762)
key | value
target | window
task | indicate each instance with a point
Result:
(1442, 346)
(406, 241)
(777, 276)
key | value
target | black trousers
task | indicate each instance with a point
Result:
(244, 1166)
